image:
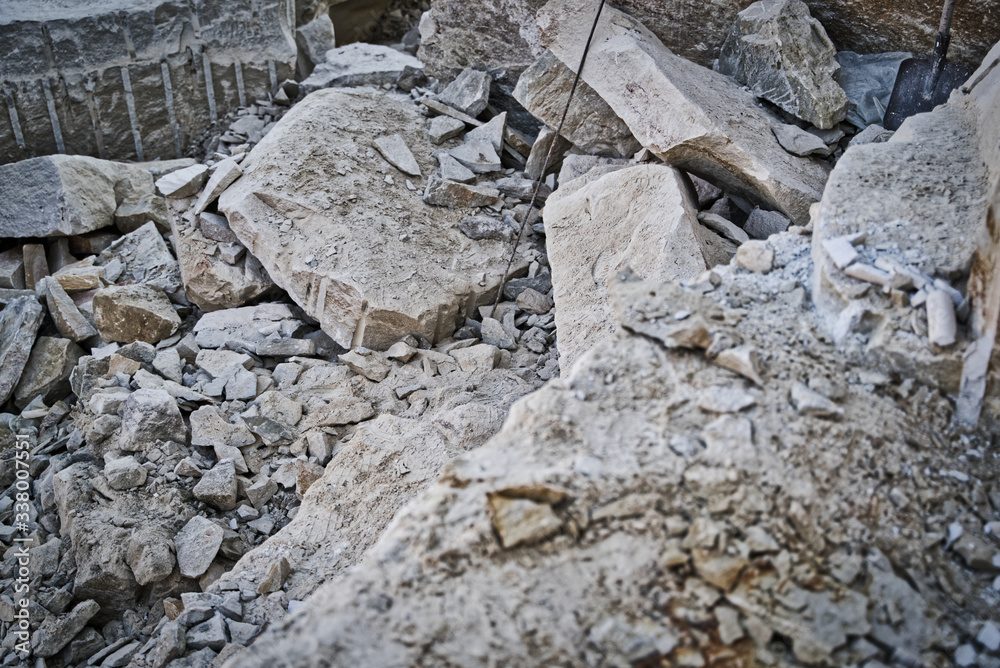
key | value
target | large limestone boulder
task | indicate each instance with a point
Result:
(642, 217)
(590, 123)
(135, 312)
(784, 55)
(337, 227)
(66, 194)
(684, 113)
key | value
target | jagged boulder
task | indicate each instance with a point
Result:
(784, 55)
(326, 218)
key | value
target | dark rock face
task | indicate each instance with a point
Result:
(133, 82)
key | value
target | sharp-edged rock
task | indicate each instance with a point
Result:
(478, 156)
(469, 92)
(226, 172)
(47, 371)
(197, 544)
(55, 632)
(394, 149)
(129, 313)
(12, 269)
(649, 224)
(692, 127)
(590, 123)
(250, 327)
(183, 182)
(149, 416)
(360, 64)
(144, 258)
(762, 223)
(271, 208)
(443, 128)
(65, 194)
(315, 39)
(784, 55)
(217, 486)
(20, 320)
(798, 142)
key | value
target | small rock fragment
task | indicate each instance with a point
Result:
(469, 92)
(394, 149)
(522, 521)
(755, 255)
(808, 402)
(197, 544)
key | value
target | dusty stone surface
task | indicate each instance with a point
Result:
(590, 124)
(129, 313)
(63, 194)
(47, 371)
(281, 199)
(784, 55)
(360, 65)
(19, 324)
(693, 130)
(641, 217)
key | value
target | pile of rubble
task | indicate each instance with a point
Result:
(731, 407)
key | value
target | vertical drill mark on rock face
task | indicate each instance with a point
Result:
(126, 34)
(209, 88)
(168, 92)
(15, 123)
(272, 74)
(240, 90)
(95, 116)
(132, 117)
(53, 118)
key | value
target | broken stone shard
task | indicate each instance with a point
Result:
(60, 195)
(443, 128)
(469, 92)
(693, 127)
(642, 217)
(276, 206)
(20, 320)
(226, 172)
(523, 521)
(129, 313)
(797, 141)
(183, 182)
(197, 544)
(217, 486)
(394, 149)
(784, 55)
(46, 374)
(149, 416)
(590, 124)
(315, 39)
(360, 64)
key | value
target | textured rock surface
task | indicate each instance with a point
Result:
(590, 124)
(135, 80)
(129, 313)
(280, 202)
(693, 129)
(641, 217)
(785, 56)
(360, 65)
(65, 195)
(46, 374)
(19, 323)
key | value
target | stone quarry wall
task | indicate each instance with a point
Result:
(134, 79)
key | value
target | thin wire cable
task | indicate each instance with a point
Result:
(548, 156)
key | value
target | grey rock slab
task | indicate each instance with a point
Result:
(643, 217)
(145, 258)
(183, 182)
(453, 170)
(798, 142)
(20, 320)
(226, 172)
(724, 228)
(784, 55)
(762, 223)
(691, 127)
(442, 128)
(280, 209)
(136, 312)
(210, 633)
(209, 428)
(56, 631)
(493, 132)
(368, 363)
(148, 416)
(486, 227)
(197, 544)
(591, 124)
(394, 149)
(316, 38)
(12, 269)
(247, 327)
(494, 334)
(61, 195)
(217, 486)
(125, 473)
(469, 92)
(533, 301)
(478, 156)
(360, 64)
(46, 374)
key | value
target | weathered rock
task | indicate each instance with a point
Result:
(478, 156)
(533, 301)
(784, 55)
(441, 192)
(56, 631)
(360, 64)
(65, 194)
(183, 182)
(368, 363)
(272, 207)
(128, 313)
(36, 267)
(249, 327)
(19, 323)
(209, 428)
(125, 473)
(210, 634)
(134, 213)
(641, 217)
(691, 128)
(275, 577)
(314, 40)
(493, 333)
(761, 223)
(797, 141)
(146, 259)
(486, 227)
(443, 128)
(523, 521)
(197, 544)
(12, 269)
(394, 149)
(479, 358)
(149, 416)
(150, 555)
(590, 123)
(226, 172)
(810, 402)
(756, 256)
(469, 92)
(47, 371)
(217, 486)
(70, 322)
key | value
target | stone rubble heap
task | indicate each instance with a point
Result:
(732, 406)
